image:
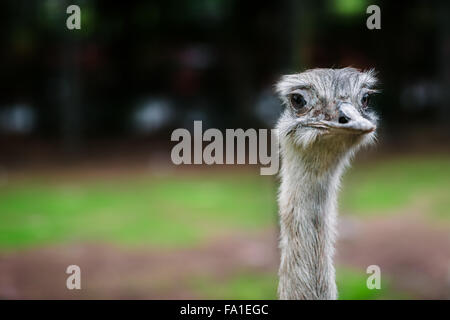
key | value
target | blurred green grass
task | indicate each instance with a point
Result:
(174, 211)
(163, 211)
(398, 185)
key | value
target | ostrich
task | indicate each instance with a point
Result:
(326, 119)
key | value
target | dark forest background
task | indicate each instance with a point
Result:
(137, 70)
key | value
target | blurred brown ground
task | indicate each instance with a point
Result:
(413, 255)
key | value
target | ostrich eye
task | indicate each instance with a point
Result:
(298, 102)
(365, 100)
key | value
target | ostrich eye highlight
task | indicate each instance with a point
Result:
(298, 102)
(365, 100)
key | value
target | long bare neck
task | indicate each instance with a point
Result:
(307, 201)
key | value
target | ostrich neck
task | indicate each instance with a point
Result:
(307, 201)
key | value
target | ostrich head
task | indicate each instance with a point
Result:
(327, 114)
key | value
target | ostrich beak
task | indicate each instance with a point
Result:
(349, 120)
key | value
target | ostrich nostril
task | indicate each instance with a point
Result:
(343, 119)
